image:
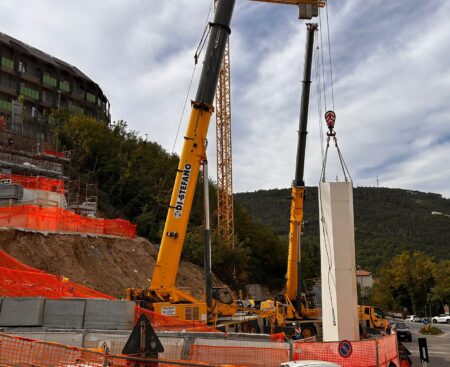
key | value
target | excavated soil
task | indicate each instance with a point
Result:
(108, 265)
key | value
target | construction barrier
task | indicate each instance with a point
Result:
(166, 323)
(20, 280)
(52, 219)
(36, 182)
(362, 353)
(17, 351)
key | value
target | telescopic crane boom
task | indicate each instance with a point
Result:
(294, 279)
(163, 296)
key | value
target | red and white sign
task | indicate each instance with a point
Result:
(330, 118)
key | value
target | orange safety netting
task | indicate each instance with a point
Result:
(166, 323)
(51, 219)
(16, 351)
(36, 182)
(20, 280)
(243, 355)
(364, 353)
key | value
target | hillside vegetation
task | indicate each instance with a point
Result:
(387, 221)
(135, 178)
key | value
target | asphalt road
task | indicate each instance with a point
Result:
(438, 345)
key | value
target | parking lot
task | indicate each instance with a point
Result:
(438, 345)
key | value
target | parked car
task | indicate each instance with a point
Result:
(403, 332)
(414, 318)
(309, 364)
(443, 318)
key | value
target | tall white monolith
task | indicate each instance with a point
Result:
(337, 252)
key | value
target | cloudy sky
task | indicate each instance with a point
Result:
(390, 62)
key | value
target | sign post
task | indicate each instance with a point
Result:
(423, 351)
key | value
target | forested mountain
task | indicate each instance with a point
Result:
(387, 221)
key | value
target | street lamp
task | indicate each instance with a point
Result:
(439, 213)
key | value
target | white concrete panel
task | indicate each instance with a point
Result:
(337, 251)
(45, 198)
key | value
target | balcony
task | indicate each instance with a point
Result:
(79, 96)
(8, 70)
(30, 78)
(8, 90)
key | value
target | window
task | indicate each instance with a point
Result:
(91, 97)
(5, 105)
(64, 85)
(7, 63)
(29, 92)
(49, 80)
(75, 109)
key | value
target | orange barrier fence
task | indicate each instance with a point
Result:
(53, 219)
(363, 353)
(166, 323)
(16, 351)
(36, 182)
(20, 280)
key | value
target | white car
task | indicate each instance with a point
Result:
(442, 318)
(414, 318)
(309, 364)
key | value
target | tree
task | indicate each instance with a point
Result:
(441, 290)
(405, 281)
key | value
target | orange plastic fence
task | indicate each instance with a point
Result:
(16, 351)
(36, 182)
(166, 323)
(364, 353)
(20, 280)
(60, 220)
(240, 355)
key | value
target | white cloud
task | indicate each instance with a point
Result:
(390, 64)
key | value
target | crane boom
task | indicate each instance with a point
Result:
(193, 153)
(294, 282)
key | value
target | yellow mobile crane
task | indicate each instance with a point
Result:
(162, 295)
(299, 308)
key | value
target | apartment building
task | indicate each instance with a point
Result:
(34, 83)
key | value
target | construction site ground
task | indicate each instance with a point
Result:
(105, 264)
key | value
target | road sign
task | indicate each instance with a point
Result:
(345, 349)
(425, 321)
(330, 118)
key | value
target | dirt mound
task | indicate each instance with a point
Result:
(108, 265)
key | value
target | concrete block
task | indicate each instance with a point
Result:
(337, 251)
(104, 314)
(64, 313)
(26, 311)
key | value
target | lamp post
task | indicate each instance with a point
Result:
(441, 214)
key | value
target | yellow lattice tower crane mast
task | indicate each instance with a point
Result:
(225, 211)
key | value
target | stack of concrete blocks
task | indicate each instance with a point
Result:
(77, 313)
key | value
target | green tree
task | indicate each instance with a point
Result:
(405, 281)
(441, 290)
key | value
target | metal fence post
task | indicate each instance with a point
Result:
(291, 350)
(377, 358)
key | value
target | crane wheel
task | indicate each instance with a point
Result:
(308, 331)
